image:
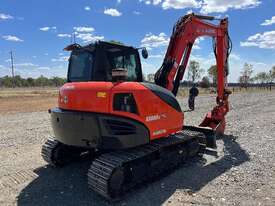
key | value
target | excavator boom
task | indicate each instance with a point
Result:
(185, 32)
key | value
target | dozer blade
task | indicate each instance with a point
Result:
(210, 134)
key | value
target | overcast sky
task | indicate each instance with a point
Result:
(37, 31)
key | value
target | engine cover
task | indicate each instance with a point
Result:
(153, 106)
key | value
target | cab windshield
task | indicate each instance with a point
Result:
(80, 66)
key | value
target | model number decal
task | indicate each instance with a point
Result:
(152, 118)
(155, 117)
(159, 132)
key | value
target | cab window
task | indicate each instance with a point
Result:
(128, 62)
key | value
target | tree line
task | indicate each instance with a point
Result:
(41, 81)
(195, 73)
(246, 79)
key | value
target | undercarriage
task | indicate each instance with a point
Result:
(113, 173)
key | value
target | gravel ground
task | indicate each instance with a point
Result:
(242, 174)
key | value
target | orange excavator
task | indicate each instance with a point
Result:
(134, 130)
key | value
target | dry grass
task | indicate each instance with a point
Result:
(26, 104)
(28, 92)
(13, 100)
(184, 92)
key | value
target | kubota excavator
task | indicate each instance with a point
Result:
(134, 129)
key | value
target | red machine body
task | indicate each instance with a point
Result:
(160, 118)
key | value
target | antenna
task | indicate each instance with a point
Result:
(12, 70)
(71, 38)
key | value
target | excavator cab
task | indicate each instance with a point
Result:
(104, 61)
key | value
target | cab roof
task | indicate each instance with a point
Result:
(110, 46)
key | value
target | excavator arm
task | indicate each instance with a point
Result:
(185, 32)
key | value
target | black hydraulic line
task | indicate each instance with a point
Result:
(229, 50)
(181, 70)
(162, 74)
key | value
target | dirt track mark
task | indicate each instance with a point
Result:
(14, 179)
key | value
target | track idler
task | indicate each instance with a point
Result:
(58, 154)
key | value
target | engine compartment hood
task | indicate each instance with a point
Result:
(85, 96)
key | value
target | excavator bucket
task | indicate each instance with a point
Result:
(216, 125)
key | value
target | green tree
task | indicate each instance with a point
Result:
(212, 73)
(194, 71)
(57, 81)
(41, 81)
(246, 75)
(272, 74)
(262, 77)
(30, 82)
(18, 81)
(205, 82)
(150, 77)
(6, 81)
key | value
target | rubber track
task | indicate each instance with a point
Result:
(103, 167)
(47, 150)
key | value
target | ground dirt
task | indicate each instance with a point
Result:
(243, 173)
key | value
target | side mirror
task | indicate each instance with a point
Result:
(144, 53)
